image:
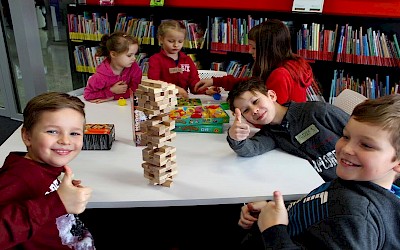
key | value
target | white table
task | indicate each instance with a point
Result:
(209, 172)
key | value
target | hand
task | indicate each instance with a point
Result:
(74, 196)
(202, 85)
(182, 92)
(213, 90)
(119, 88)
(249, 214)
(239, 131)
(274, 213)
(101, 100)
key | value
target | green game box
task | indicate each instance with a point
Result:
(199, 115)
(203, 128)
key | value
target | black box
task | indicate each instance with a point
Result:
(98, 136)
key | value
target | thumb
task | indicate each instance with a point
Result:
(238, 115)
(68, 175)
(278, 199)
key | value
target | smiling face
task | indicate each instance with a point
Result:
(56, 138)
(256, 107)
(365, 153)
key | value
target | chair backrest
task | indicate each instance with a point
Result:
(206, 74)
(348, 100)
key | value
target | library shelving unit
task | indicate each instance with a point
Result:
(335, 42)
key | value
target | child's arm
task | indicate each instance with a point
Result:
(272, 223)
(193, 77)
(203, 85)
(135, 76)
(20, 220)
(260, 143)
(155, 66)
(182, 92)
(96, 89)
(119, 88)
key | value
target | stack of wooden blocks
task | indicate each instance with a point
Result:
(156, 99)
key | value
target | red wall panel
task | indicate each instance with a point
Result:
(372, 8)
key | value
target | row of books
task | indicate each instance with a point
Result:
(89, 26)
(93, 26)
(141, 28)
(316, 42)
(195, 35)
(371, 87)
(86, 60)
(373, 47)
(352, 45)
(238, 69)
(231, 33)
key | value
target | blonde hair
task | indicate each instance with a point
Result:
(383, 112)
(170, 25)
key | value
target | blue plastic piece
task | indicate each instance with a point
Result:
(217, 96)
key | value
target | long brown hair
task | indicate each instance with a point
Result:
(273, 48)
(117, 41)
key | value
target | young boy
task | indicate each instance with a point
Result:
(308, 130)
(34, 205)
(358, 210)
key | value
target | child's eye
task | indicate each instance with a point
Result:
(345, 137)
(51, 131)
(364, 145)
(75, 134)
(255, 101)
(245, 111)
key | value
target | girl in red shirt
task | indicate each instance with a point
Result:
(284, 72)
(171, 64)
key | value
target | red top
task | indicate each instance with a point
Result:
(32, 214)
(182, 73)
(280, 80)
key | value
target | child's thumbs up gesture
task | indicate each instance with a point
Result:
(72, 194)
(239, 131)
(274, 213)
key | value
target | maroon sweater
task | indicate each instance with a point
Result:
(32, 215)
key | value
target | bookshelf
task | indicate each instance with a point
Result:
(383, 18)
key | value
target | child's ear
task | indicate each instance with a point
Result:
(113, 53)
(26, 137)
(397, 167)
(271, 94)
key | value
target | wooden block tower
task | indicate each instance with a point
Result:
(156, 99)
